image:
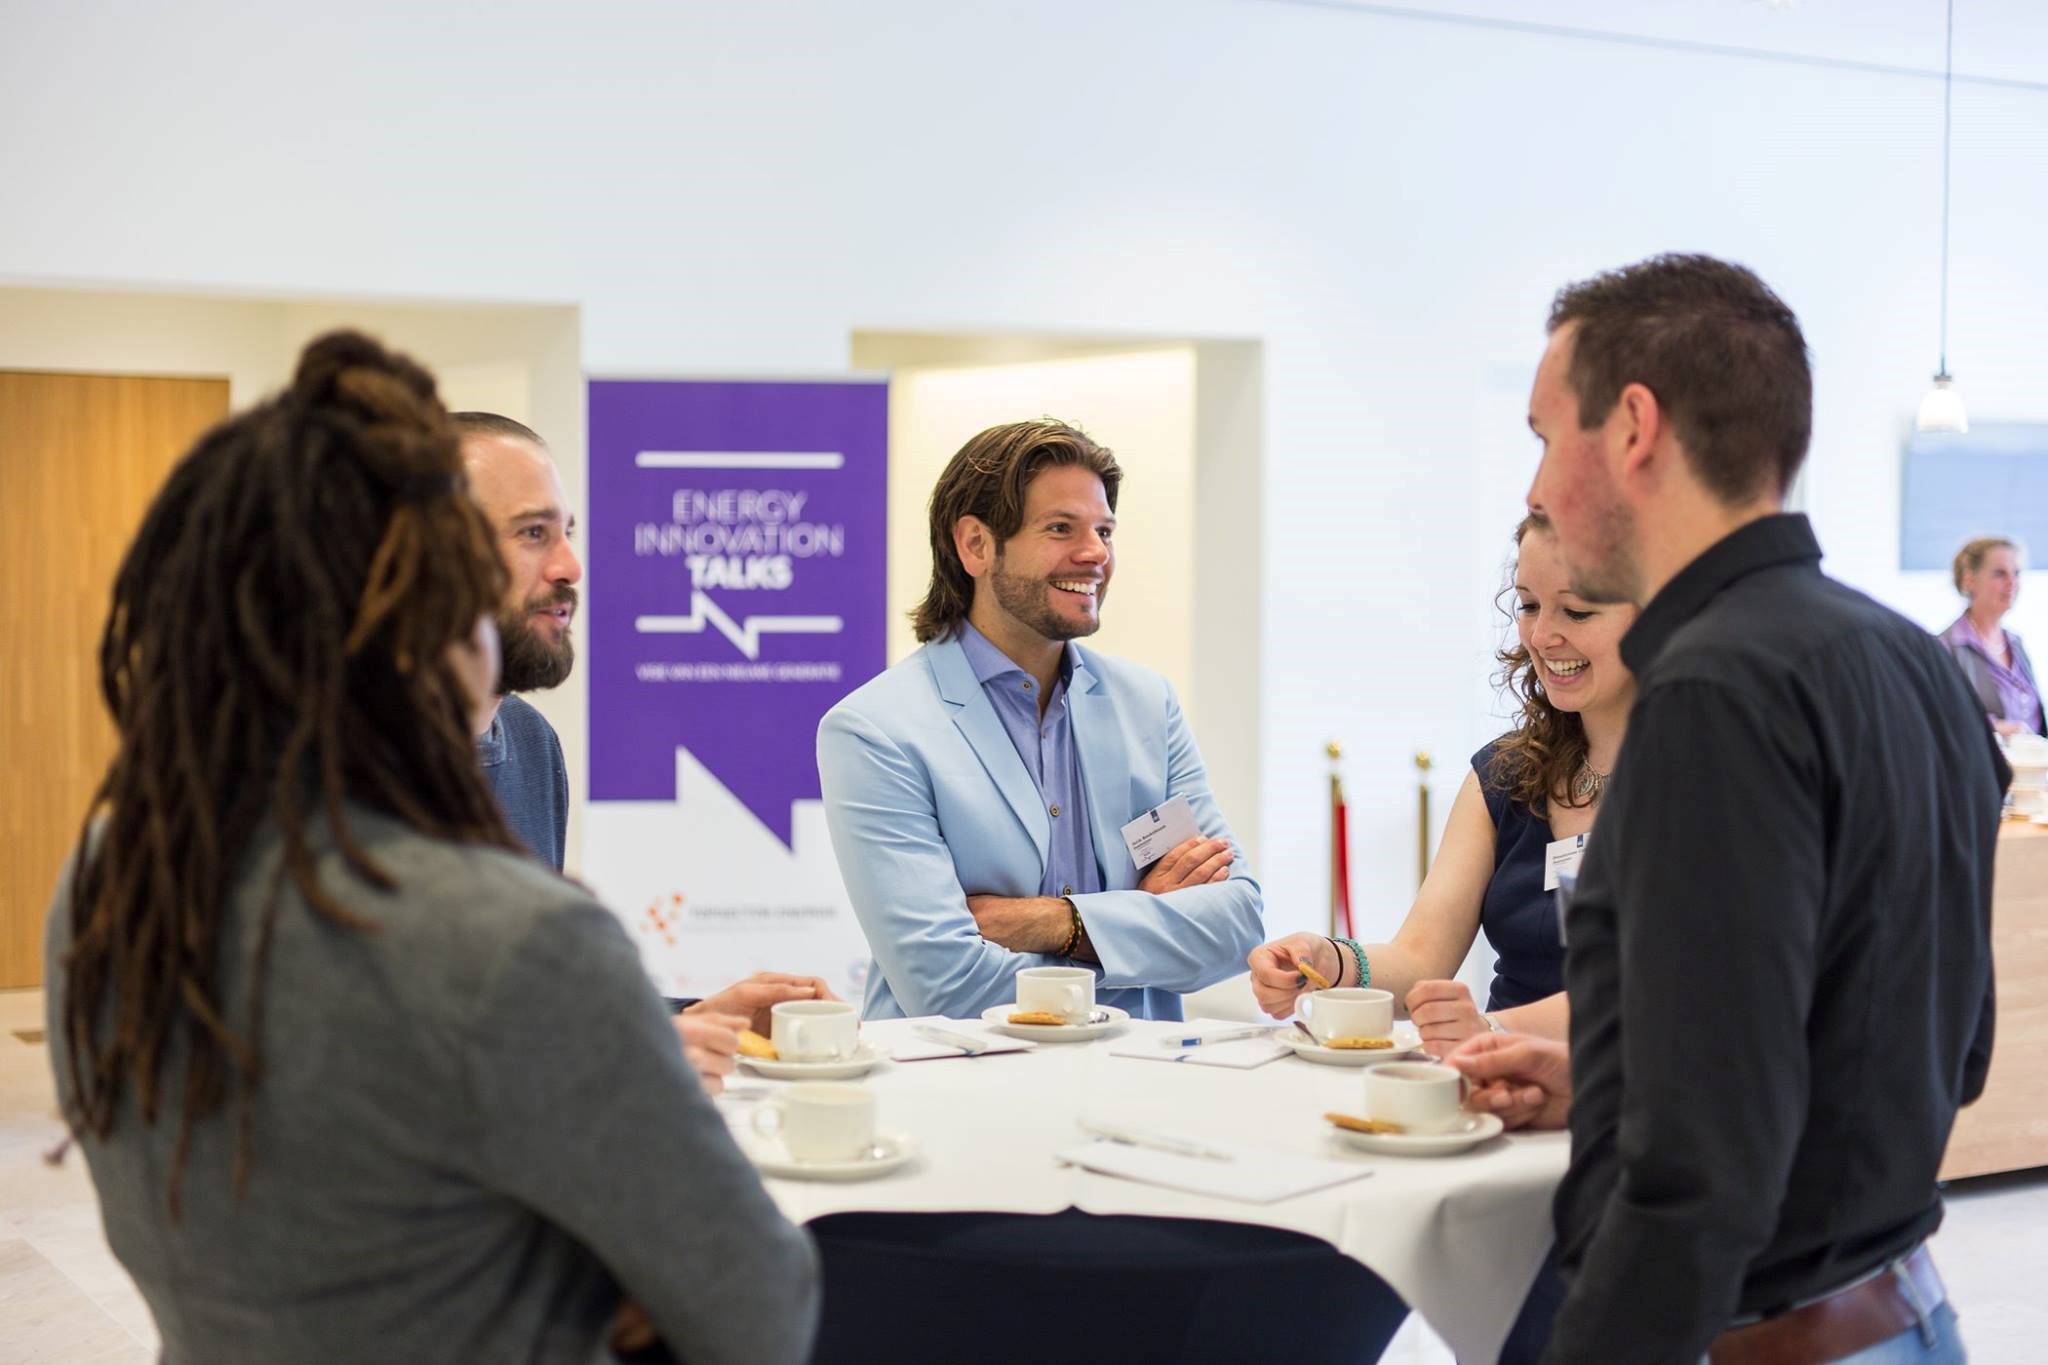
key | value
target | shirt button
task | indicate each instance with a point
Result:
(1055, 812)
(1066, 891)
(1027, 687)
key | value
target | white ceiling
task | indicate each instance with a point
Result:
(1996, 39)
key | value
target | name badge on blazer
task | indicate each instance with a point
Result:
(1160, 830)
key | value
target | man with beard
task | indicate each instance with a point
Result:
(976, 791)
(512, 476)
(1780, 964)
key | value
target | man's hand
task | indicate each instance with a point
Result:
(1524, 1079)
(1023, 924)
(1277, 981)
(1444, 1015)
(753, 998)
(1196, 862)
(711, 1042)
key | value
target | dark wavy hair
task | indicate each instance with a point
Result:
(1535, 762)
(988, 478)
(277, 645)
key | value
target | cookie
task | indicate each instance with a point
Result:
(1362, 1125)
(1359, 1044)
(1041, 1017)
(753, 1044)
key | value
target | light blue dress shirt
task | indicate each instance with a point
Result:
(1046, 744)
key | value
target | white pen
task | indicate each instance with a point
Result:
(1233, 1036)
(1156, 1141)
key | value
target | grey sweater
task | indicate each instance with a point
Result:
(475, 1130)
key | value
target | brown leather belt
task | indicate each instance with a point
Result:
(1847, 1321)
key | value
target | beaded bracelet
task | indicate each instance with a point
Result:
(1364, 967)
(1074, 933)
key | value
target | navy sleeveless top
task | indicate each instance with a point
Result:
(1518, 915)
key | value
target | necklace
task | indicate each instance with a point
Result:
(1588, 783)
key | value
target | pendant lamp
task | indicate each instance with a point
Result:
(1942, 408)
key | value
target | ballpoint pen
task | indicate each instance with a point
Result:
(1235, 1035)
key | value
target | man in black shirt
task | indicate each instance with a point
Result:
(1779, 961)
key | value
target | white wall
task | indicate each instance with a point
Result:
(1140, 404)
(1385, 203)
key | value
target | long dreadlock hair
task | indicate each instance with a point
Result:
(278, 643)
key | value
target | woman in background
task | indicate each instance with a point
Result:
(358, 1080)
(1538, 784)
(1987, 574)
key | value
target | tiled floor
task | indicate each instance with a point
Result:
(65, 1301)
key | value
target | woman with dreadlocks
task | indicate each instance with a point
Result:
(356, 1078)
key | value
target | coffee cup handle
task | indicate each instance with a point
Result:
(772, 1109)
(1076, 1007)
(1306, 1006)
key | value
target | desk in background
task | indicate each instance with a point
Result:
(2007, 1128)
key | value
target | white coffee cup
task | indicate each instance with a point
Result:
(821, 1121)
(1348, 1012)
(1422, 1097)
(1068, 992)
(814, 1030)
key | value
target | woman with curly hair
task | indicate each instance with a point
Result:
(1540, 783)
(357, 1079)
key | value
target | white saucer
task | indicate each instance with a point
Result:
(892, 1151)
(1478, 1128)
(864, 1059)
(1407, 1042)
(1107, 1018)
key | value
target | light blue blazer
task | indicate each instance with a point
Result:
(928, 803)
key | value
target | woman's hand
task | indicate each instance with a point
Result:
(1276, 975)
(1444, 1015)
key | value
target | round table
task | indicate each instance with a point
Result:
(1459, 1238)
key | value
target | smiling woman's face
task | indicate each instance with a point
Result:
(1574, 645)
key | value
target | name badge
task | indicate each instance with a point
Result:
(1561, 858)
(1160, 830)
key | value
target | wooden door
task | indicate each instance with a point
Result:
(80, 458)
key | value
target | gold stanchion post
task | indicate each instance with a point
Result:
(1423, 763)
(1340, 870)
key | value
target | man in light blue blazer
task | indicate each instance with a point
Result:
(976, 791)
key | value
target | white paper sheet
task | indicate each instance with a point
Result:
(1251, 1177)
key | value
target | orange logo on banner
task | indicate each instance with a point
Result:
(661, 920)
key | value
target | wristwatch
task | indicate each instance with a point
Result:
(1493, 1025)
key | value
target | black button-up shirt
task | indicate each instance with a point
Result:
(1779, 960)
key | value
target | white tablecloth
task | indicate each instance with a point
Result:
(1458, 1237)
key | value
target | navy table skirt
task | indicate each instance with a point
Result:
(1069, 1288)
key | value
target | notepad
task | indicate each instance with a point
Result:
(912, 1048)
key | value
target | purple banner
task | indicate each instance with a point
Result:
(737, 576)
